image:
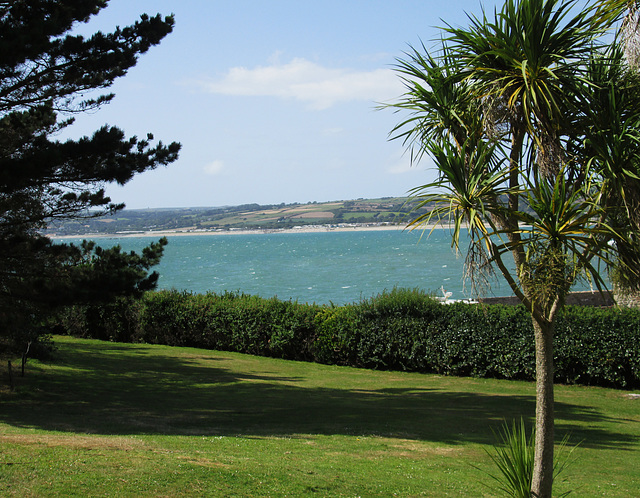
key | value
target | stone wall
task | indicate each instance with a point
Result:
(627, 298)
(586, 298)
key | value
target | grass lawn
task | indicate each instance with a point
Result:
(138, 420)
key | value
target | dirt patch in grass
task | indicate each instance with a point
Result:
(412, 449)
(403, 448)
(203, 462)
(74, 441)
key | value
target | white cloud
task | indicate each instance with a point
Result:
(320, 87)
(213, 168)
(401, 163)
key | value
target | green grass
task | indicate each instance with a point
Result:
(138, 420)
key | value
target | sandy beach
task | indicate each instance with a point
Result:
(193, 231)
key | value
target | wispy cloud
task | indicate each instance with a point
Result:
(318, 86)
(213, 168)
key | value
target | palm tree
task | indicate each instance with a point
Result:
(504, 109)
(613, 147)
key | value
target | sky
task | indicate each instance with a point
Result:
(273, 101)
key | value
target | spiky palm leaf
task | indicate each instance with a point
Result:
(561, 236)
(440, 104)
(514, 458)
(469, 188)
(529, 55)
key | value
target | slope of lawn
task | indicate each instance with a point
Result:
(138, 420)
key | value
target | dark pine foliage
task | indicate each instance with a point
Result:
(46, 74)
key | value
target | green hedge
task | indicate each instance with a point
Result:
(396, 330)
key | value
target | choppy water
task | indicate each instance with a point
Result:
(338, 267)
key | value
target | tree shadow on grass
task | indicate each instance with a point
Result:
(125, 389)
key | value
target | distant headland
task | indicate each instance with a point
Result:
(388, 213)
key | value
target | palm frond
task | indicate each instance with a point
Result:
(466, 195)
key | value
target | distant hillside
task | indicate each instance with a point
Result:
(387, 210)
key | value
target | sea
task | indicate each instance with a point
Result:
(328, 267)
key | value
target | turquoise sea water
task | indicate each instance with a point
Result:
(324, 267)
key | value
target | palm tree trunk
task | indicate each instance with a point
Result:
(543, 466)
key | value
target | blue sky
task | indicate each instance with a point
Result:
(273, 100)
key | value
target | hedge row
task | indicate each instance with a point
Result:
(397, 330)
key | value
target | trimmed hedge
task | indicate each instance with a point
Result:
(396, 330)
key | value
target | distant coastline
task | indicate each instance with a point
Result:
(388, 213)
(235, 231)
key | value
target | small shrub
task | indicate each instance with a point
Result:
(293, 329)
(514, 456)
(388, 326)
(118, 320)
(335, 335)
